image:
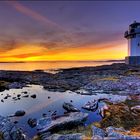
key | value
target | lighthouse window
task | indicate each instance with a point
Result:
(132, 30)
(133, 35)
(138, 44)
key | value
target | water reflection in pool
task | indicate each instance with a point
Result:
(44, 102)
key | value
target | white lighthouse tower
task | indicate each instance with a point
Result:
(133, 37)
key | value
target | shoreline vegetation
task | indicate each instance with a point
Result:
(120, 117)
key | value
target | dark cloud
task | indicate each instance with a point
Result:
(51, 35)
(7, 45)
(54, 39)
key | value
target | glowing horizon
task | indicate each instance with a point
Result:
(89, 53)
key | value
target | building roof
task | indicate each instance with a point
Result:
(134, 24)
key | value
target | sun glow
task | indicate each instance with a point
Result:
(90, 52)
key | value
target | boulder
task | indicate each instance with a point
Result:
(116, 133)
(19, 113)
(2, 100)
(33, 96)
(136, 109)
(96, 137)
(76, 136)
(91, 105)
(83, 92)
(9, 130)
(102, 110)
(53, 113)
(32, 122)
(25, 96)
(71, 119)
(70, 108)
(24, 92)
(7, 96)
(98, 132)
(18, 95)
(45, 136)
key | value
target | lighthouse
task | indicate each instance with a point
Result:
(133, 37)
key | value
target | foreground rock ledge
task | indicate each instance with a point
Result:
(9, 131)
(112, 133)
(77, 136)
(65, 121)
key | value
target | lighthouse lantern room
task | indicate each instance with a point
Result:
(133, 37)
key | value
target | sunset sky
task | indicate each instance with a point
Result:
(64, 30)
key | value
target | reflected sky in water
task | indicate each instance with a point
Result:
(41, 104)
(29, 66)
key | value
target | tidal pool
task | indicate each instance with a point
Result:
(35, 107)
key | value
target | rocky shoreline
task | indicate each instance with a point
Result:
(120, 114)
(116, 78)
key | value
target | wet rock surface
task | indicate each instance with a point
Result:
(70, 108)
(116, 133)
(16, 85)
(70, 119)
(136, 109)
(112, 133)
(33, 96)
(91, 105)
(118, 85)
(19, 113)
(32, 122)
(116, 78)
(97, 131)
(9, 131)
(76, 136)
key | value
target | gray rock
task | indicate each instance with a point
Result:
(96, 137)
(111, 129)
(2, 100)
(16, 85)
(25, 96)
(9, 130)
(114, 132)
(70, 119)
(17, 134)
(136, 109)
(45, 136)
(24, 92)
(102, 110)
(33, 96)
(32, 122)
(98, 132)
(125, 85)
(70, 108)
(20, 113)
(77, 136)
(53, 113)
(91, 105)
(83, 92)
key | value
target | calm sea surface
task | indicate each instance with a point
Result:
(41, 104)
(29, 66)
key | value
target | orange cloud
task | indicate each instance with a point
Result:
(88, 52)
(60, 45)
